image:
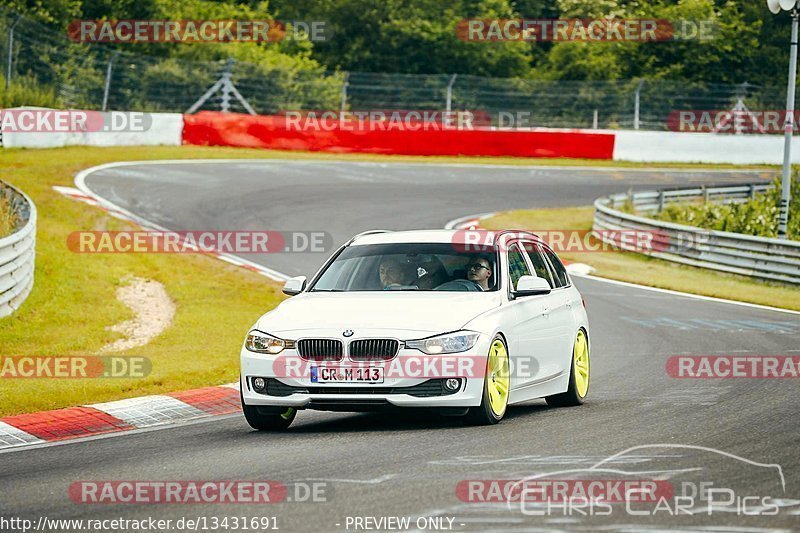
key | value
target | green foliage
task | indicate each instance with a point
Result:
(758, 216)
(155, 76)
(747, 43)
(417, 37)
(26, 91)
(8, 218)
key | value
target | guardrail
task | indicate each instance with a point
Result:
(759, 257)
(17, 252)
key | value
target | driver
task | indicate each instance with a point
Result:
(479, 270)
(394, 274)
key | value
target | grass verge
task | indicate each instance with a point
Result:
(8, 219)
(644, 270)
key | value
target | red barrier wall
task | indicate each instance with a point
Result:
(231, 129)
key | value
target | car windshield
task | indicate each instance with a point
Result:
(409, 267)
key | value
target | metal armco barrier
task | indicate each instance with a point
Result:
(759, 257)
(17, 252)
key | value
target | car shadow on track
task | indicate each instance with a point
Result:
(401, 420)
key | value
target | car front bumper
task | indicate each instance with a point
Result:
(410, 368)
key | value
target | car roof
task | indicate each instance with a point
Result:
(458, 236)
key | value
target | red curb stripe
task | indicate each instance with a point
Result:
(80, 196)
(69, 423)
(212, 400)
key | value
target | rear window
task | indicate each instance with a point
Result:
(562, 280)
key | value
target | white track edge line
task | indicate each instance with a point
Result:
(80, 183)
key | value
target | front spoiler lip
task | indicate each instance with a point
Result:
(469, 396)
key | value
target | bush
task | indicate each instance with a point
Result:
(8, 217)
(758, 216)
(26, 92)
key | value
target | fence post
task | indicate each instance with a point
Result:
(705, 194)
(595, 120)
(225, 104)
(449, 102)
(636, 105)
(343, 105)
(660, 201)
(10, 50)
(226, 88)
(108, 79)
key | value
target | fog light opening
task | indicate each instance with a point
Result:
(259, 384)
(452, 384)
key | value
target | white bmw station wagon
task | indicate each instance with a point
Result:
(466, 322)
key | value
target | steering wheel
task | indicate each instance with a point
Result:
(460, 285)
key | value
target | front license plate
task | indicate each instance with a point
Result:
(325, 374)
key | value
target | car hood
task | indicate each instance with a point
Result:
(416, 313)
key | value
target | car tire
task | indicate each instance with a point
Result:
(578, 375)
(267, 421)
(496, 386)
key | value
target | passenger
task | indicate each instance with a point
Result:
(395, 274)
(479, 270)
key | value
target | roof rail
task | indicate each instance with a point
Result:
(518, 231)
(368, 232)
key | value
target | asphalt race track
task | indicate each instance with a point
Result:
(379, 466)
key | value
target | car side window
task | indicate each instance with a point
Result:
(539, 263)
(558, 268)
(516, 266)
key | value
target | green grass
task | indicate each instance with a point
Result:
(73, 300)
(645, 270)
(8, 219)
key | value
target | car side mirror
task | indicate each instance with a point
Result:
(530, 285)
(294, 285)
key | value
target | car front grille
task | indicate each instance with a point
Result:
(427, 389)
(373, 349)
(320, 349)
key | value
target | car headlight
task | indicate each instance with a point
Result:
(459, 341)
(260, 342)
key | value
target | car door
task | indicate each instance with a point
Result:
(564, 300)
(571, 297)
(533, 336)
